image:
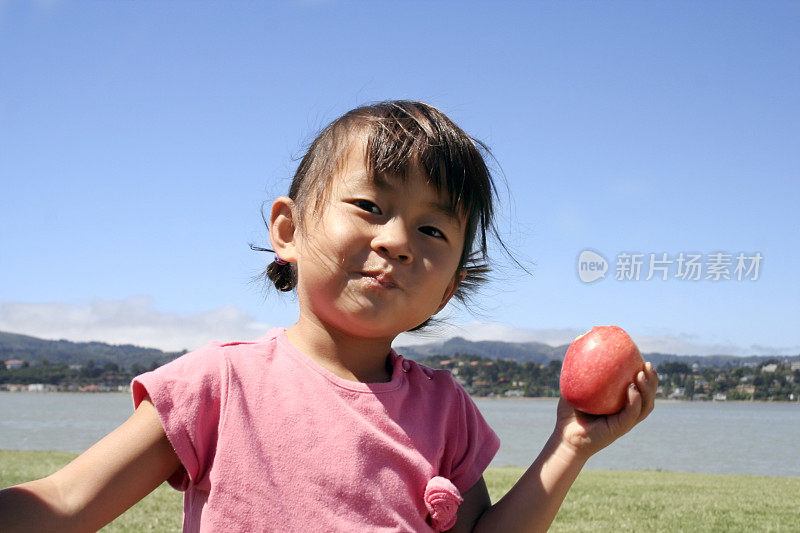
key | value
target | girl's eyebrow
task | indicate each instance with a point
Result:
(443, 208)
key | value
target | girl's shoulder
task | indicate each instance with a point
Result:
(229, 346)
(216, 353)
(268, 337)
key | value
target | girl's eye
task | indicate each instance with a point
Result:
(433, 232)
(366, 205)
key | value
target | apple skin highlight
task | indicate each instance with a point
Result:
(597, 370)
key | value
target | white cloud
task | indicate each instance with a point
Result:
(648, 342)
(483, 331)
(135, 321)
(130, 321)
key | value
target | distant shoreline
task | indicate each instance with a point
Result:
(658, 400)
(491, 398)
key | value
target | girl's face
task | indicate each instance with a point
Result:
(378, 257)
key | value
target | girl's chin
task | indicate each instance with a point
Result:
(366, 325)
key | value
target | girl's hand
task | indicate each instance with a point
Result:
(584, 434)
(534, 500)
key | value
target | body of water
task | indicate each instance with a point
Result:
(709, 437)
(719, 438)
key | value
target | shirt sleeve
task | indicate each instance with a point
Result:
(475, 444)
(188, 394)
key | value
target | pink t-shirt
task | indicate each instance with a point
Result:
(271, 441)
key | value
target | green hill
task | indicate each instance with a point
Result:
(33, 350)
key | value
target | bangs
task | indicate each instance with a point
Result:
(414, 138)
(407, 136)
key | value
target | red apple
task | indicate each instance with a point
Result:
(598, 368)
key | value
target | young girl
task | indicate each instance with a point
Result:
(322, 426)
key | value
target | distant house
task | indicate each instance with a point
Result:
(36, 387)
(770, 368)
(720, 397)
(795, 366)
(678, 392)
(14, 364)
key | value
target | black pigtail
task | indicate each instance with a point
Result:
(280, 274)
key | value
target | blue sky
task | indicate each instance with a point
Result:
(138, 141)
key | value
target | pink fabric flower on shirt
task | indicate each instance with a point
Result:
(442, 499)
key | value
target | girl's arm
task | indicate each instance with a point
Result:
(100, 484)
(534, 501)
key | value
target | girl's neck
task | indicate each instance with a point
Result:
(355, 358)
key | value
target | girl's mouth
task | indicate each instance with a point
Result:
(380, 279)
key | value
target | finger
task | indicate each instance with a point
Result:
(647, 381)
(651, 371)
(651, 374)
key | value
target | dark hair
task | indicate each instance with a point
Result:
(402, 135)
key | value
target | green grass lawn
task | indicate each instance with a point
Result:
(599, 501)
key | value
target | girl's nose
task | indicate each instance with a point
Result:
(393, 241)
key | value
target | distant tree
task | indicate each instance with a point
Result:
(91, 370)
(689, 388)
(672, 368)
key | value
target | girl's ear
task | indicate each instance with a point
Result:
(452, 287)
(282, 224)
